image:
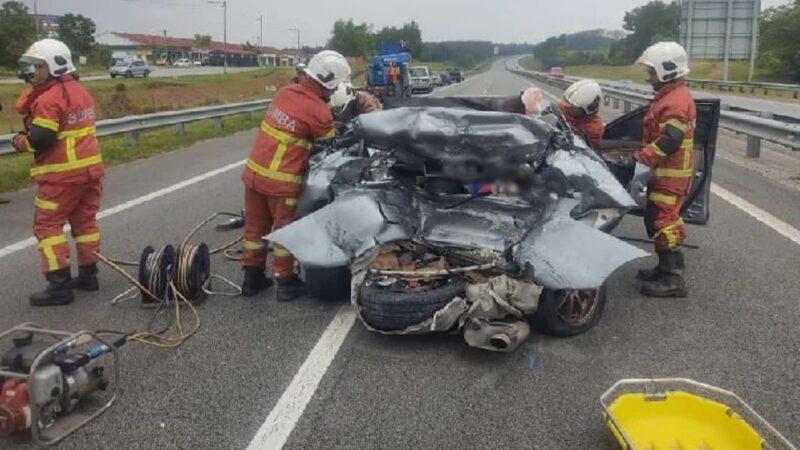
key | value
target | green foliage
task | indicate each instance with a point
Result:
(77, 32)
(779, 45)
(408, 33)
(459, 51)
(648, 24)
(247, 46)
(202, 40)
(351, 39)
(100, 55)
(17, 32)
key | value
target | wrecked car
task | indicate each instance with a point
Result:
(448, 215)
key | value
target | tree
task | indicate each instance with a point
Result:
(247, 46)
(779, 48)
(17, 32)
(648, 24)
(100, 55)
(202, 40)
(77, 32)
(408, 33)
(350, 39)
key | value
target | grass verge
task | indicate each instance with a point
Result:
(15, 169)
(123, 97)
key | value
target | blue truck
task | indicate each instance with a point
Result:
(395, 54)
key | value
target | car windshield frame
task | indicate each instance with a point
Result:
(419, 72)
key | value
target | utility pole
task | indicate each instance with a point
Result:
(260, 32)
(36, 18)
(297, 58)
(224, 4)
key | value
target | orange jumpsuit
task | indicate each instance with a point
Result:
(590, 126)
(68, 175)
(298, 115)
(671, 108)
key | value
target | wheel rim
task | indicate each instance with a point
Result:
(577, 307)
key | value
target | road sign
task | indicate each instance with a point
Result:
(720, 29)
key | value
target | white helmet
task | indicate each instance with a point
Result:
(55, 53)
(329, 69)
(668, 59)
(342, 96)
(584, 94)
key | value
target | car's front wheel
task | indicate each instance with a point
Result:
(146, 73)
(569, 312)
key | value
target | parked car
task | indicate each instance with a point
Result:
(446, 79)
(130, 68)
(183, 62)
(455, 74)
(436, 79)
(197, 62)
(421, 79)
(557, 72)
(388, 211)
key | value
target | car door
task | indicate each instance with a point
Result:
(624, 135)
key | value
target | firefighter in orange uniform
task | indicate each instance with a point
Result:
(668, 155)
(298, 115)
(580, 105)
(67, 169)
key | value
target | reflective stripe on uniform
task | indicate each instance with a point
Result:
(274, 174)
(77, 133)
(329, 134)
(280, 252)
(669, 233)
(284, 137)
(88, 238)
(675, 123)
(46, 246)
(674, 173)
(45, 204)
(284, 141)
(663, 198)
(254, 245)
(657, 150)
(45, 123)
(291, 201)
(67, 166)
(28, 147)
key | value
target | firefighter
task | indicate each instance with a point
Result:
(67, 168)
(580, 105)
(668, 155)
(298, 115)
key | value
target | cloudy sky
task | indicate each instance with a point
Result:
(494, 20)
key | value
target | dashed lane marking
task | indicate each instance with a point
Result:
(21, 245)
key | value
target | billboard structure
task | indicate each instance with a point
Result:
(720, 29)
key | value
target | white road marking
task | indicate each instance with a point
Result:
(780, 227)
(21, 245)
(284, 416)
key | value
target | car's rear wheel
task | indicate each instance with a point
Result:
(146, 73)
(569, 312)
(396, 307)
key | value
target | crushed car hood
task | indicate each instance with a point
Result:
(540, 229)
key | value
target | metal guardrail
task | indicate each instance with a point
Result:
(730, 86)
(755, 128)
(133, 125)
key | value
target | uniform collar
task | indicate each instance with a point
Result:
(669, 87)
(315, 88)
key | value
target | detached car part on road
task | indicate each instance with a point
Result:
(387, 217)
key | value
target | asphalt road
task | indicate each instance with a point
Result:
(162, 72)
(737, 330)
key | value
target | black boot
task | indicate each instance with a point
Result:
(57, 292)
(652, 274)
(86, 280)
(255, 281)
(669, 282)
(289, 289)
